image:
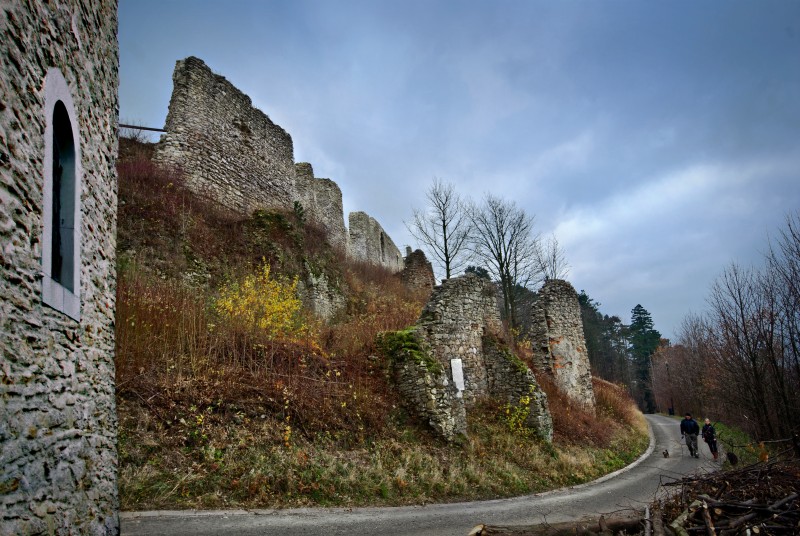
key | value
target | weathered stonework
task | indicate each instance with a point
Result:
(433, 396)
(370, 243)
(417, 274)
(233, 153)
(320, 296)
(512, 380)
(558, 340)
(322, 199)
(228, 150)
(58, 459)
(462, 321)
(453, 323)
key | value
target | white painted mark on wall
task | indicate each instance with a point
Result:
(458, 374)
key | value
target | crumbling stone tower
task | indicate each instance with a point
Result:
(417, 274)
(559, 344)
(58, 211)
(460, 329)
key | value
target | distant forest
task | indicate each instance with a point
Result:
(621, 353)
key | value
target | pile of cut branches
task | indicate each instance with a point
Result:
(759, 499)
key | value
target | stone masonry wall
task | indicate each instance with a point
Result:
(453, 323)
(433, 396)
(417, 274)
(558, 340)
(322, 201)
(512, 380)
(462, 321)
(370, 243)
(325, 300)
(228, 150)
(58, 460)
(233, 153)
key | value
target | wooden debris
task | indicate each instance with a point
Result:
(586, 527)
(759, 499)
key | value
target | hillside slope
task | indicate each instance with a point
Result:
(230, 393)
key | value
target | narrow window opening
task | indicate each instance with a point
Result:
(61, 207)
(62, 268)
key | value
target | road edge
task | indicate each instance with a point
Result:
(133, 515)
(650, 448)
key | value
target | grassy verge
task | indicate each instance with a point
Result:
(217, 462)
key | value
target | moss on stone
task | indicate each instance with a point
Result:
(498, 346)
(402, 345)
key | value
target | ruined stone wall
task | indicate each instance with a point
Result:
(320, 296)
(453, 323)
(322, 201)
(58, 460)
(512, 380)
(462, 321)
(233, 153)
(433, 396)
(227, 149)
(370, 243)
(558, 340)
(417, 274)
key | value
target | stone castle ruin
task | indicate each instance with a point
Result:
(417, 274)
(58, 213)
(58, 206)
(234, 154)
(559, 343)
(460, 329)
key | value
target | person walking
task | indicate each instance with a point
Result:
(710, 437)
(689, 432)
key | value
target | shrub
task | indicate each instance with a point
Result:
(260, 302)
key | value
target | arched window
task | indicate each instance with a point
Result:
(61, 210)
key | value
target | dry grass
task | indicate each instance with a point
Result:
(214, 414)
(573, 423)
(174, 352)
(246, 464)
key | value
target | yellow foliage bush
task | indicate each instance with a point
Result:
(261, 302)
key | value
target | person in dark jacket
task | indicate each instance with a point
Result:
(710, 437)
(689, 432)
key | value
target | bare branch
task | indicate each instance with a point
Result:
(443, 228)
(504, 240)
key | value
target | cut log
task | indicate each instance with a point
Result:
(571, 528)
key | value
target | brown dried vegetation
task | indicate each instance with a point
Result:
(214, 413)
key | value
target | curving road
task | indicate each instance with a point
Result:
(631, 487)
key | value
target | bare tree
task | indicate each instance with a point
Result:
(734, 302)
(443, 228)
(551, 258)
(784, 266)
(504, 240)
(743, 359)
(680, 378)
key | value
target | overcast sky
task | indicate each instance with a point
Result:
(659, 141)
